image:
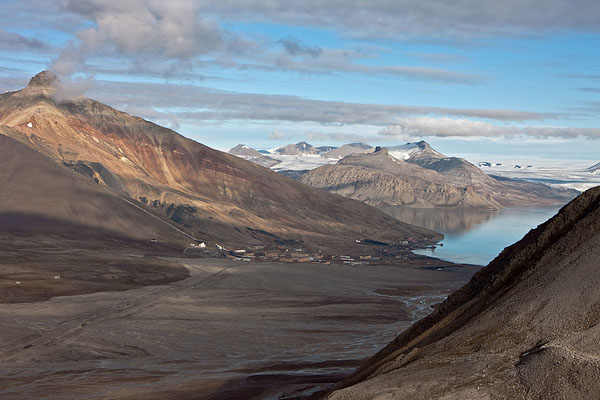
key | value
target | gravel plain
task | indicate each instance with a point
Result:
(229, 330)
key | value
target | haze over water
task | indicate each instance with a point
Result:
(474, 237)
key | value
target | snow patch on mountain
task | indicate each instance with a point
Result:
(404, 152)
(411, 150)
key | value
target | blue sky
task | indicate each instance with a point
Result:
(520, 77)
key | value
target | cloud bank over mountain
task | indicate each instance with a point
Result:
(334, 69)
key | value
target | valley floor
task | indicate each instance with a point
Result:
(230, 330)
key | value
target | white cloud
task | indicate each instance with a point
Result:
(589, 89)
(14, 41)
(202, 103)
(340, 137)
(69, 89)
(169, 34)
(431, 19)
(465, 128)
(171, 29)
(176, 33)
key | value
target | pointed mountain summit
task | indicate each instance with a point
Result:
(348, 149)
(243, 150)
(379, 179)
(45, 83)
(252, 155)
(425, 147)
(45, 79)
(414, 151)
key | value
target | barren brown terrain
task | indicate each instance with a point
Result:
(96, 209)
(524, 327)
(48, 265)
(231, 330)
(97, 206)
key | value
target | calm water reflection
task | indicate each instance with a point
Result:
(474, 237)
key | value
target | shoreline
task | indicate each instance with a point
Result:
(40, 267)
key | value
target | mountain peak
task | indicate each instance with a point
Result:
(43, 79)
(297, 149)
(423, 145)
(45, 82)
(381, 150)
(425, 151)
(243, 150)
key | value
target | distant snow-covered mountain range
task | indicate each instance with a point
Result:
(296, 159)
(293, 158)
(412, 174)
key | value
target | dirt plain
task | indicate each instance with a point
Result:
(216, 329)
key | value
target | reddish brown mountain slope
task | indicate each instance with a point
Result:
(41, 195)
(215, 195)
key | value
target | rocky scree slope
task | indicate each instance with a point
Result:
(527, 326)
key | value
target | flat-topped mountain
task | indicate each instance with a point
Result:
(524, 327)
(210, 194)
(347, 149)
(301, 148)
(415, 175)
(414, 150)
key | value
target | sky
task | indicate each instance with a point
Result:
(512, 78)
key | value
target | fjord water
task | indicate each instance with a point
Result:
(474, 236)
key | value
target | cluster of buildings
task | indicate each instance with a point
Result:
(293, 255)
(281, 255)
(297, 256)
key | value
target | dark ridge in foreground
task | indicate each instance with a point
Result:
(526, 326)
